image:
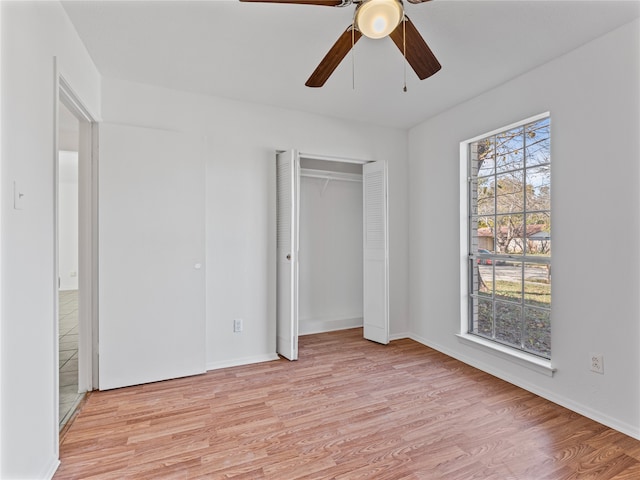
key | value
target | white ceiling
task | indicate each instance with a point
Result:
(264, 53)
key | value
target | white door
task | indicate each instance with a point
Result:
(288, 182)
(376, 267)
(151, 256)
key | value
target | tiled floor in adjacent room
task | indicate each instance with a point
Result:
(68, 331)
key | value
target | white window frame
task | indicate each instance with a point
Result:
(519, 357)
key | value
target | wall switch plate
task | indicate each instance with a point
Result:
(237, 325)
(597, 362)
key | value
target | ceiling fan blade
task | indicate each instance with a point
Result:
(327, 3)
(333, 58)
(419, 55)
(415, 1)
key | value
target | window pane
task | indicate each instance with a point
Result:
(510, 150)
(484, 318)
(537, 285)
(509, 234)
(482, 234)
(539, 234)
(485, 152)
(484, 277)
(508, 280)
(539, 188)
(510, 192)
(537, 143)
(537, 331)
(508, 323)
(486, 196)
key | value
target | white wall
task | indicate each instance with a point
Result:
(32, 34)
(330, 259)
(593, 96)
(240, 204)
(68, 220)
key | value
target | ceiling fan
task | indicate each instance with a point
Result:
(374, 19)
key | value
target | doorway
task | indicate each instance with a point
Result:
(68, 325)
(330, 254)
(374, 252)
(76, 253)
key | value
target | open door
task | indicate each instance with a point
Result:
(288, 182)
(376, 265)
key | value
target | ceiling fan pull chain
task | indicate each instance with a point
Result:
(404, 51)
(353, 58)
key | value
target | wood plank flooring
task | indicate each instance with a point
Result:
(347, 409)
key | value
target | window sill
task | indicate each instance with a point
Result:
(532, 362)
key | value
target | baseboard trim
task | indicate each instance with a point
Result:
(51, 470)
(309, 326)
(236, 362)
(399, 336)
(577, 407)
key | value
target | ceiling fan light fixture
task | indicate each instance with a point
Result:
(378, 18)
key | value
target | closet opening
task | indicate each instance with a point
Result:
(332, 269)
(330, 250)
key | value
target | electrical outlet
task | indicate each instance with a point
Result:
(597, 362)
(237, 325)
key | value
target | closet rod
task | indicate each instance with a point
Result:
(346, 177)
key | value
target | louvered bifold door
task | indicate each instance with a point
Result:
(376, 277)
(287, 254)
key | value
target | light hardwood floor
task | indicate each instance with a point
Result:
(347, 409)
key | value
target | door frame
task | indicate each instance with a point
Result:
(328, 158)
(87, 239)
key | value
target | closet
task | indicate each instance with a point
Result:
(332, 248)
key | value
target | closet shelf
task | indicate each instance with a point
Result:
(327, 175)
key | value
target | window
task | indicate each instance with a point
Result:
(509, 241)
